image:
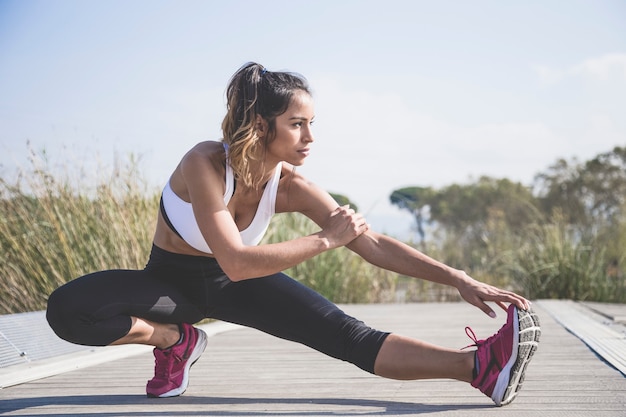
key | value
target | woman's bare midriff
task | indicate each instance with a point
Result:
(167, 240)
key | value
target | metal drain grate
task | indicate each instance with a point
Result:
(26, 337)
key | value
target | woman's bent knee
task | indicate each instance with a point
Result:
(60, 315)
(73, 319)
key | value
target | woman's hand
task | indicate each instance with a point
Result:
(343, 226)
(477, 293)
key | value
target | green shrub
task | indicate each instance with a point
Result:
(557, 261)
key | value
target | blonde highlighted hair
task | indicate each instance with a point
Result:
(254, 91)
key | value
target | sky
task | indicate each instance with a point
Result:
(407, 93)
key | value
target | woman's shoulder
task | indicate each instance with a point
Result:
(207, 148)
(203, 152)
(298, 193)
(203, 160)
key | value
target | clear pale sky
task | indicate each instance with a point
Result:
(424, 93)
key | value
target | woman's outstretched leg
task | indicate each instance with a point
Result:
(283, 307)
(496, 367)
(405, 358)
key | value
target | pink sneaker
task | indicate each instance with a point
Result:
(502, 359)
(171, 370)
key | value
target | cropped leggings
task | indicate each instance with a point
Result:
(96, 309)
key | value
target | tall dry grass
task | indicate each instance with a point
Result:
(54, 228)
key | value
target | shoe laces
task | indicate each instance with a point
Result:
(489, 341)
(477, 343)
(163, 364)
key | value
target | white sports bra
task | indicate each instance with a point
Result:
(178, 213)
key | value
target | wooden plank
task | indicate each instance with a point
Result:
(613, 311)
(606, 342)
(247, 373)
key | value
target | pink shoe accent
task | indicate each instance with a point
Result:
(171, 370)
(502, 358)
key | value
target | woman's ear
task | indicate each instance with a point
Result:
(261, 126)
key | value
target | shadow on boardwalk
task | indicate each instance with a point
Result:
(298, 406)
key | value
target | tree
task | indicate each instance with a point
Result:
(559, 188)
(466, 208)
(603, 180)
(415, 200)
(585, 193)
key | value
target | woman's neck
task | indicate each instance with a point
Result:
(261, 171)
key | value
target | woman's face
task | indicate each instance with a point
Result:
(293, 131)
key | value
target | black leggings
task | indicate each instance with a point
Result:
(96, 309)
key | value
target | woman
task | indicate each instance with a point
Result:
(206, 262)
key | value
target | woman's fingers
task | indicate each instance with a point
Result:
(345, 225)
(479, 294)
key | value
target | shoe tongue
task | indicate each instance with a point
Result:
(163, 362)
(162, 353)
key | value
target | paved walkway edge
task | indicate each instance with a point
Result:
(607, 343)
(19, 374)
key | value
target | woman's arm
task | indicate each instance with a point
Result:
(205, 184)
(390, 254)
(393, 255)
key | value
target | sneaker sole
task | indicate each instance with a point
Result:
(529, 333)
(193, 358)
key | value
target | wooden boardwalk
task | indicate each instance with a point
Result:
(247, 373)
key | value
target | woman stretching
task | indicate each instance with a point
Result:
(206, 261)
